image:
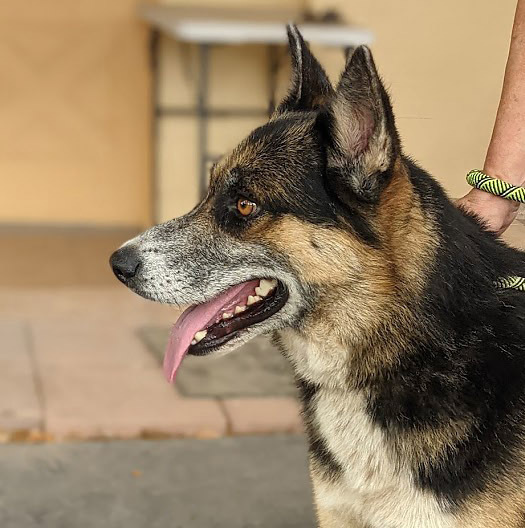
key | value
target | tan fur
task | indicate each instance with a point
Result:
(376, 486)
(500, 506)
(366, 278)
(409, 236)
(427, 446)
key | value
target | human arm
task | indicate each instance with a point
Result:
(506, 152)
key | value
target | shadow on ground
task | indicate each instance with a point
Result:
(254, 369)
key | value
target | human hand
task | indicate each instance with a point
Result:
(497, 213)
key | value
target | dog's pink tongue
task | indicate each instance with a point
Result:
(197, 318)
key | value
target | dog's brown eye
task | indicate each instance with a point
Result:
(246, 207)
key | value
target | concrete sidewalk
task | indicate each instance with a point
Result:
(243, 482)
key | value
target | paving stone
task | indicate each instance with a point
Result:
(263, 415)
(97, 376)
(98, 383)
(20, 408)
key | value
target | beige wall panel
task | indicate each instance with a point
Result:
(239, 77)
(225, 133)
(74, 101)
(332, 59)
(283, 73)
(178, 73)
(443, 63)
(177, 190)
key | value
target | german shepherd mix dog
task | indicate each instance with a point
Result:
(409, 360)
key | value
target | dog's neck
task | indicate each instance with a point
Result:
(361, 324)
(326, 354)
(428, 267)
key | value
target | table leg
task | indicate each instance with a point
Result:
(202, 117)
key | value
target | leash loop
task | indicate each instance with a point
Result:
(511, 283)
(495, 186)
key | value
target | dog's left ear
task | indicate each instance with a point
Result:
(363, 137)
(310, 88)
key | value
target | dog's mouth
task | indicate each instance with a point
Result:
(204, 328)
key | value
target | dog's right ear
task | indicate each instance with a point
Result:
(310, 88)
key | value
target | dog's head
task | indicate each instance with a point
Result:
(298, 224)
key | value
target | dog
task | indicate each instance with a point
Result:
(410, 361)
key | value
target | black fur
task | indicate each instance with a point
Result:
(317, 447)
(468, 359)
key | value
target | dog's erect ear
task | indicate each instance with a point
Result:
(310, 87)
(364, 140)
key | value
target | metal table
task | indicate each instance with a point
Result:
(208, 27)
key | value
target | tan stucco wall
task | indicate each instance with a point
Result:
(74, 113)
(75, 99)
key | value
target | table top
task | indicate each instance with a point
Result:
(213, 26)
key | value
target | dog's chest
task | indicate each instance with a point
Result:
(372, 486)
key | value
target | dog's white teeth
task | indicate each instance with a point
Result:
(227, 315)
(239, 309)
(251, 300)
(271, 282)
(193, 342)
(199, 336)
(265, 287)
(257, 298)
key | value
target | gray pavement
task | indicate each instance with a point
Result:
(239, 482)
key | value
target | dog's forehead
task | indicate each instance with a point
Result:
(272, 148)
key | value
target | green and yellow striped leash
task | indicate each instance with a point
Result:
(495, 186)
(511, 283)
(500, 188)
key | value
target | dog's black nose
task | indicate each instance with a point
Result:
(125, 263)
